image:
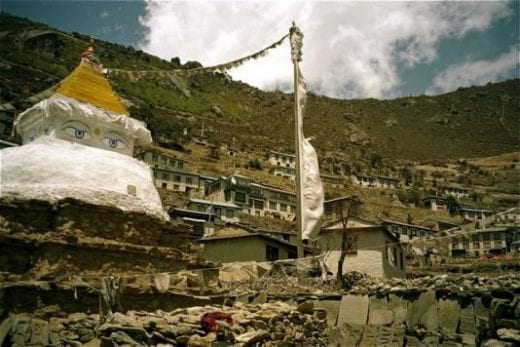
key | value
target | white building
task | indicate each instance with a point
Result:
(281, 159)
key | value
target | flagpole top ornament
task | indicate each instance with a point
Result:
(296, 38)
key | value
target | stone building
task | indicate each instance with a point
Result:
(435, 203)
(285, 172)
(488, 241)
(411, 230)
(281, 159)
(375, 181)
(372, 249)
(221, 210)
(234, 244)
(253, 199)
(171, 172)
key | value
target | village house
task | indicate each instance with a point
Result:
(474, 213)
(435, 203)
(224, 211)
(281, 204)
(240, 191)
(372, 249)
(337, 208)
(235, 244)
(375, 181)
(411, 230)
(455, 192)
(488, 241)
(285, 172)
(253, 198)
(170, 172)
(203, 223)
(281, 159)
(509, 216)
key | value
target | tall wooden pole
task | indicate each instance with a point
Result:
(297, 141)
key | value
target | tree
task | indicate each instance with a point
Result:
(345, 210)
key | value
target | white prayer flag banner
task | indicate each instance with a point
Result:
(311, 189)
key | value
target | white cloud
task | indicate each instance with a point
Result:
(476, 72)
(351, 49)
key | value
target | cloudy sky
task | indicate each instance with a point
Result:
(351, 49)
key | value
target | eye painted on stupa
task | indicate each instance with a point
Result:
(77, 130)
(114, 141)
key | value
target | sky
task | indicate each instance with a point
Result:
(350, 49)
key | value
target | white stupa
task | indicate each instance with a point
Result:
(78, 144)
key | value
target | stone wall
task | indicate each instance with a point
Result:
(431, 318)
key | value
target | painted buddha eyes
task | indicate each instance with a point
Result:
(78, 131)
(114, 140)
(110, 140)
(114, 143)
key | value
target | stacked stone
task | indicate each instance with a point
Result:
(502, 326)
(270, 324)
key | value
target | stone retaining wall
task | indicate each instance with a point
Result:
(430, 318)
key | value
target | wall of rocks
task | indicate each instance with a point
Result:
(431, 318)
(267, 324)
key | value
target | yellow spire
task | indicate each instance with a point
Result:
(88, 84)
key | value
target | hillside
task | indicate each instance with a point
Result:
(420, 139)
(470, 122)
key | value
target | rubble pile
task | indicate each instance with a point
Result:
(269, 324)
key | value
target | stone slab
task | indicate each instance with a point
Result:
(332, 309)
(423, 311)
(353, 310)
(449, 312)
(21, 330)
(467, 320)
(39, 332)
(398, 307)
(379, 313)
(5, 326)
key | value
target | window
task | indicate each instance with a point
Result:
(259, 204)
(180, 165)
(154, 158)
(189, 180)
(390, 255)
(283, 207)
(163, 160)
(486, 236)
(176, 187)
(177, 178)
(164, 185)
(401, 263)
(240, 197)
(172, 162)
(293, 209)
(201, 208)
(474, 237)
(272, 205)
(271, 253)
(229, 213)
(164, 176)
